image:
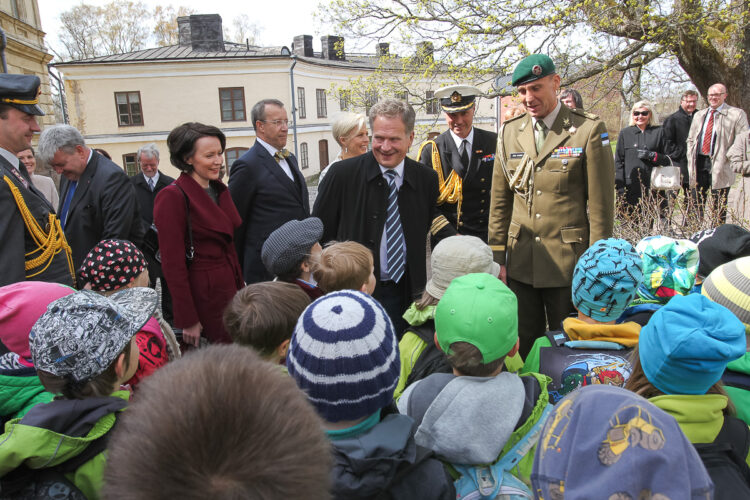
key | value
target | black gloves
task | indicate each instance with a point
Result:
(645, 154)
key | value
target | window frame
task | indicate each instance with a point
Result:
(231, 101)
(130, 111)
(321, 103)
(432, 105)
(301, 104)
(134, 162)
(304, 157)
(240, 151)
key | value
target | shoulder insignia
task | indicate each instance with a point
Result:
(515, 117)
(585, 114)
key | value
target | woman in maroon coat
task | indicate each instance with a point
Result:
(202, 288)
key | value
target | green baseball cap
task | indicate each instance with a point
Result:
(478, 309)
(532, 68)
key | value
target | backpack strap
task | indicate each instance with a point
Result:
(488, 479)
(736, 380)
(736, 433)
(423, 332)
(557, 337)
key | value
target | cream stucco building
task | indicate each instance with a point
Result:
(24, 52)
(120, 102)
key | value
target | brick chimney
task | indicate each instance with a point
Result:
(303, 45)
(202, 32)
(333, 47)
(383, 49)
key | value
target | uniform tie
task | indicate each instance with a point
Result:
(541, 134)
(394, 233)
(463, 151)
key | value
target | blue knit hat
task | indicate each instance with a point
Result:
(344, 355)
(687, 343)
(603, 441)
(606, 279)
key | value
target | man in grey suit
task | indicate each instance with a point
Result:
(97, 201)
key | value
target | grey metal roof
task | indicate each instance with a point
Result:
(182, 52)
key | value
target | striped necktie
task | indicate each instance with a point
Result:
(394, 233)
(151, 183)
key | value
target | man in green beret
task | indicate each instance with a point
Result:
(463, 158)
(552, 197)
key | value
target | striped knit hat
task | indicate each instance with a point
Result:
(344, 355)
(729, 285)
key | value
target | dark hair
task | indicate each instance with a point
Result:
(263, 315)
(181, 142)
(689, 93)
(344, 265)
(467, 360)
(575, 95)
(258, 113)
(294, 271)
(4, 108)
(641, 385)
(425, 301)
(222, 424)
(98, 387)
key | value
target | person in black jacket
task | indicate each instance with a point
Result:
(640, 147)
(675, 130)
(353, 203)
(97, 201)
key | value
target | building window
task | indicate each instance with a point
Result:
(345, 99)
(130, 164)
(129, 110)
(323, 152)
(320, 101)
(232, 104)
(402, 95)
(301, 108)
(304, 160)
(231, 154)
(431, 104)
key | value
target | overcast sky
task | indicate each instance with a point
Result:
(279, 20)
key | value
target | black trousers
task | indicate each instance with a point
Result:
(716, 197)
(395, 299)
(539, 309)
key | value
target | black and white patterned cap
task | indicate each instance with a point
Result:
(81, 334)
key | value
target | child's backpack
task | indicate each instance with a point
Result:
(496, 481)
(431, 360)
(725, 460)
(575, 363)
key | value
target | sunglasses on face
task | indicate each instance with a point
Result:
(641, 113)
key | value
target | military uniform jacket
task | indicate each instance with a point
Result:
(545, 230)
(477, 180)
(15, 240)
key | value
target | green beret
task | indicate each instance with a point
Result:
(532, 68)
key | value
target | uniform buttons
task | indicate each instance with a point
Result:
(538, 215)
(484, 190)
(538, 169)
(539, 192)
(482, 179)
(460, 224)
(537, 239)
(481, 211)
(580, 239)
(482, 201)
(565, 168)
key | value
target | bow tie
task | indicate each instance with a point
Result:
(281, 155)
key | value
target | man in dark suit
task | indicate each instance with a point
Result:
(463, 161)
(23, 208)
(97, 201)
(147, 184)
(387, 202)
(266, 186)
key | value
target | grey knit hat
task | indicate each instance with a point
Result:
(289, 244)
(81, 334)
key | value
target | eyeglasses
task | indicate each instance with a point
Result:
(641, 113)
(278, 123)
(717, 95)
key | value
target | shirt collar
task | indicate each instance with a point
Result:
(720, 108)
(272, 150)
(155, 177)
(12, 159)
(399, 169)
(549, 120)
(458, 140)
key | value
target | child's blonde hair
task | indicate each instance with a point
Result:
(344, 265)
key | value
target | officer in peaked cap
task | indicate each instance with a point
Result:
(462, 157)
(32, 244)
(552, 197)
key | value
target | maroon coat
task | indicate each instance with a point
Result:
(202, 291)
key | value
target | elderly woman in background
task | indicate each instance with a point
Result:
(197, 210)
(640, 147)
(350, 132)
(43, 183)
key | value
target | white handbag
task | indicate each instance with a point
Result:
(665, 178)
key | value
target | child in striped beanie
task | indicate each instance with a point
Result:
(344, 355)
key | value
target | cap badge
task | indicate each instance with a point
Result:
(455, 97)
(537, 70)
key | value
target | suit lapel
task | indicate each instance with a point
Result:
(275, 169)
(477, 152)
(83, 185)
(526, 137)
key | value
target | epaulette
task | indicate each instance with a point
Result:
(515, 117)
(585, 114)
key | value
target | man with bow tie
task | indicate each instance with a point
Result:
(32, 244)
(266, 186)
